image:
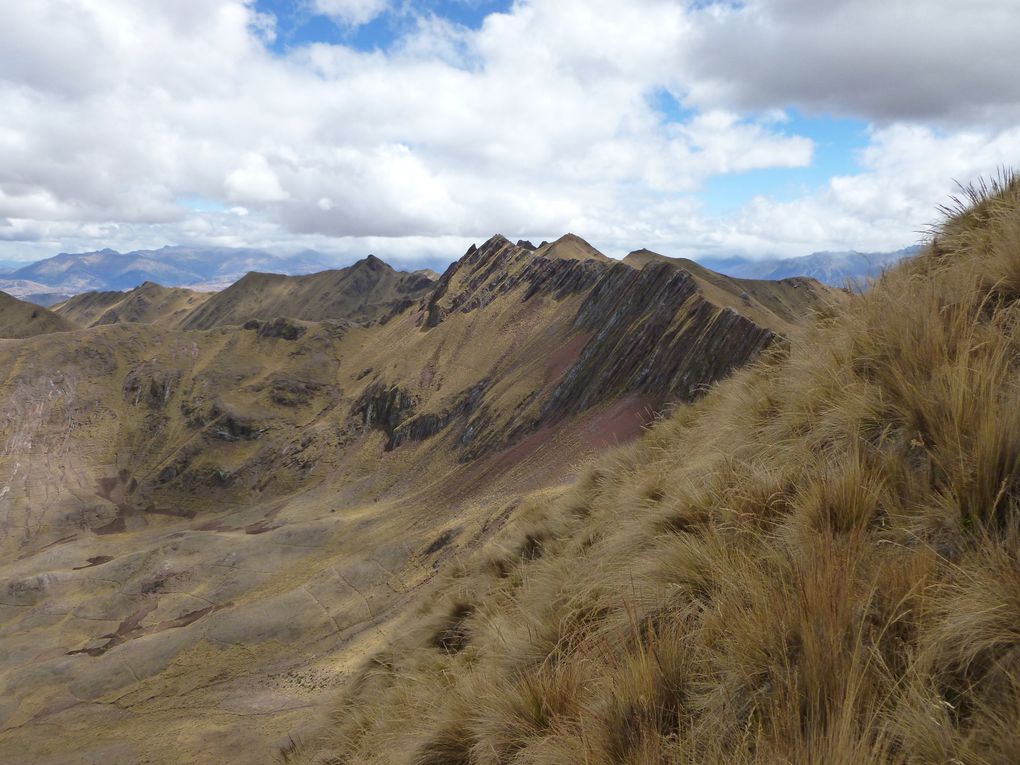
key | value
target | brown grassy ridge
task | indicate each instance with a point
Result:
(819, 562)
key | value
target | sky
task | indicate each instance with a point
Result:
(412, 129)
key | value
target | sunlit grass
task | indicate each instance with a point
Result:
(816, 564)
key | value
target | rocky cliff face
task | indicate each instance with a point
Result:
(653, 331)
(661, 332)
(499, 267)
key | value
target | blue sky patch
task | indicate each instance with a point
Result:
(201, 204)
(298, 24)
(838, 143)
(667, 105)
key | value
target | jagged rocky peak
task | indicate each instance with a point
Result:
(499, 267)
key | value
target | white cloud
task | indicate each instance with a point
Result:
(352, 13)
(541, 121)
(254, 181)
(943, 60)
(909, 170)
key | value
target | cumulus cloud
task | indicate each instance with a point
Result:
(254, 181)
(908, 171)
(541, 121)
(943, 60)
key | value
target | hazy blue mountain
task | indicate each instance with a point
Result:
(834, 268)
(107, 269)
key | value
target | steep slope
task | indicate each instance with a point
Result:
(656, 335)
(146, 304)
(816, 563)
(19, 319)
(367, 291)
(765, 300)
(202, 530)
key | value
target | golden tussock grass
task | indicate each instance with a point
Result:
(819, 562)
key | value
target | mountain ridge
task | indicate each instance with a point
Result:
(836, 269)
(149, 303)
(228, 509)
(172, 266)
(368, 290)
(211, 269)
(20, 320)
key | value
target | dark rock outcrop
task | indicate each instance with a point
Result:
(498, 267)
(392, 410)
(654, 332)
(279, 328)
(384, 407)
(429, 424)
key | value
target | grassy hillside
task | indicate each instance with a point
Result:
(367, 291)
(19, 319)
(146, 304)
(816, 563)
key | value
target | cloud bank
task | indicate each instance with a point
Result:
(139, 124)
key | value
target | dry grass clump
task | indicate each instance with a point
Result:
(820, 562)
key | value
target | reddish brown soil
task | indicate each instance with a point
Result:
(564, 357)
(621, 422)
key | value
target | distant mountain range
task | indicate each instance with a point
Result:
(832, 268)
(206, 268)
(50, 281)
